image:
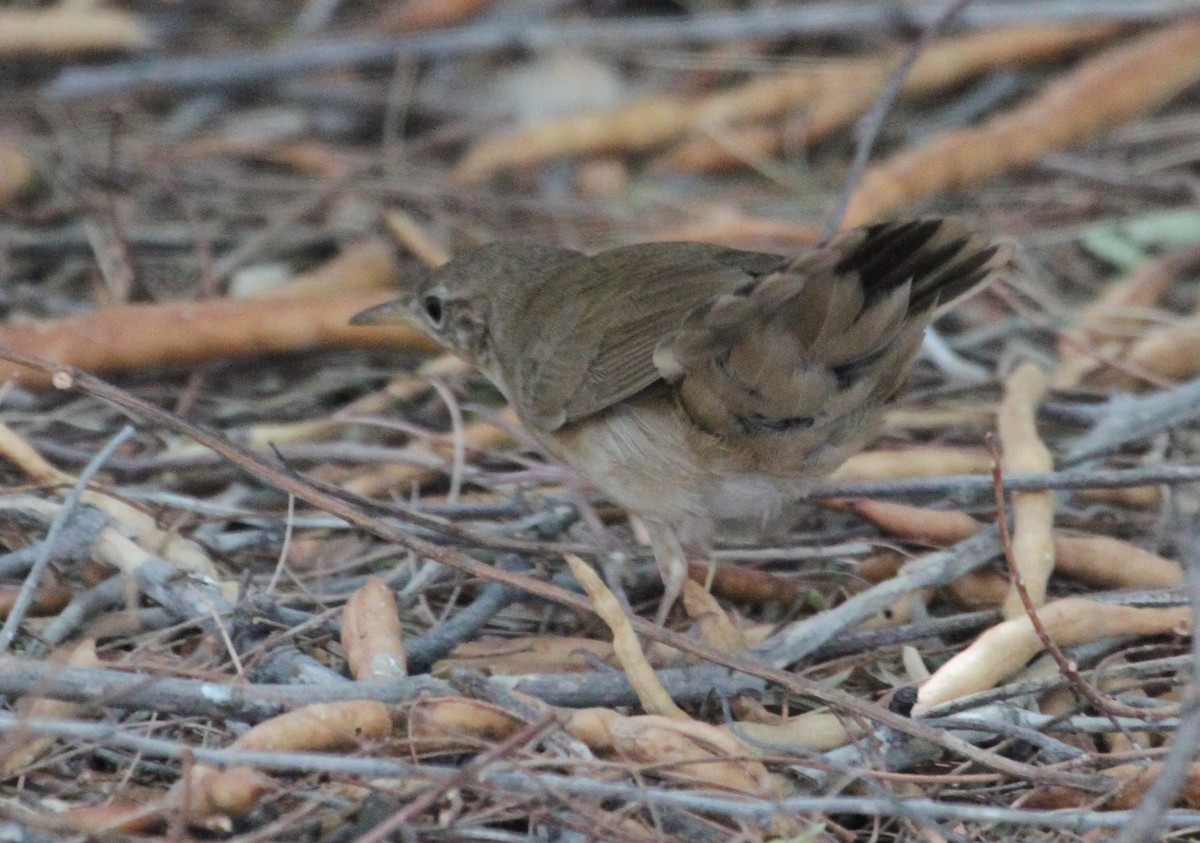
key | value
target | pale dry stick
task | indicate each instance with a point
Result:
(1065, 666)
(1111, 88)
(1033, 512)
(458, 453)
(477, 438)
(1167, 668)
(28, 592)
(522, 780)
(16, 754)
(67, 378)
(626, 647)
(798, 640)
(63, 31)
(1002, 650)
(974, 486)
(285, 546)
(828, 18)
(193, 697)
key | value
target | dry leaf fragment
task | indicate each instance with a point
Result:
(818, 731)
(1105, 325)
(456, 724)
(715, 627)
(1097, 560)
(213, 793)
(371, 633)
(1171, 352)
(320, 727)
(112, 818)
(412, 15)
(692, 751)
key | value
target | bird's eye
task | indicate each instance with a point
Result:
(433, 309)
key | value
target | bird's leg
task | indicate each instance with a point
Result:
(672, 564)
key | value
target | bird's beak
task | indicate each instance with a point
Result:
(389, 313)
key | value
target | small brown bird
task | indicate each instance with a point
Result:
(696, 384)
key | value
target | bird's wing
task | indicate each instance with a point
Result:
(611, 312)
(808, 349)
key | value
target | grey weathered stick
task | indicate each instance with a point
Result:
(797, 640)
(1129, 418)
(979, 484)
(230, 68)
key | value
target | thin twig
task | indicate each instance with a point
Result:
(1065, 666)
(867, 130)
(976, 486)
(70, 504)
